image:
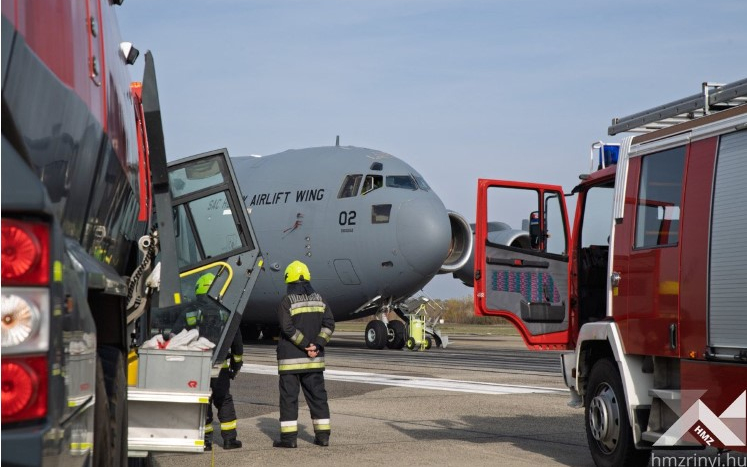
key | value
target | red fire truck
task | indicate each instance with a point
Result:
(648, 295)
(84, 179)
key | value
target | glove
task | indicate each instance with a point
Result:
(235, 366)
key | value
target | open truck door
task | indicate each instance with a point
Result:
(202, 229)
(521, 259)
(212, 237)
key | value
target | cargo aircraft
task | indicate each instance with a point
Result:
(367, 224)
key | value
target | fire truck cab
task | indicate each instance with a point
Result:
(646, 298)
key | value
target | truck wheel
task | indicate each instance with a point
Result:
(376, 335)
(396, 334)
(115, 374)
(608, 429)
(101, 432)
(410, 343)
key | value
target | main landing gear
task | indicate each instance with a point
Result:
(391, 334)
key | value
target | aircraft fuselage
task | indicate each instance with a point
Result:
(365, 223)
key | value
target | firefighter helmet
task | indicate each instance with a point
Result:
(203, 283)
(297, 271)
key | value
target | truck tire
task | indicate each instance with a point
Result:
(608, 430)
(115, 375)
(101, 431)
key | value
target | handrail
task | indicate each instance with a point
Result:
(210, 266)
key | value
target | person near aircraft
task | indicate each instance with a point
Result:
(306, 326)
(221, 385)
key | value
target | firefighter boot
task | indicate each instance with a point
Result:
(231, 444)
(321, 439)
(285, 442)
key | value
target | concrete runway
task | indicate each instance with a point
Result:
(481, 401)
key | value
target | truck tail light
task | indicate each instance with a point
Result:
(25, 253)
(24, 388)
(21, 320)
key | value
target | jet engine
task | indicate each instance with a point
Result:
(498, 232)
(460, 246)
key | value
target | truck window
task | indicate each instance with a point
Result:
(659, 195)
(554, 222)
(596, 223)
(518, 209)
(215, 224)
(593, 252)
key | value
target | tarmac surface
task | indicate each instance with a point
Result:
(482, 401)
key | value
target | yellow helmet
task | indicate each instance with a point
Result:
(203, 283)
(297, 271)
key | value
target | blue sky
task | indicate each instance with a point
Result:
(460, 89)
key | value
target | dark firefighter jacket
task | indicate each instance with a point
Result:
(236, 352)
(304, 318)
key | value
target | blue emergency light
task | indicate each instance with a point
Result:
(608, 154)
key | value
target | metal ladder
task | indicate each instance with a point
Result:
(713, 98)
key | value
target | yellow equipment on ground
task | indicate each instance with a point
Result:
(417, 338)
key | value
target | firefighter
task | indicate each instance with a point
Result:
(221, 385)
(306, 325)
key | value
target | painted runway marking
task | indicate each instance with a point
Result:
(437, 384)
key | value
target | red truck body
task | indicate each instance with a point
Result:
(647, 296)
(82, 180)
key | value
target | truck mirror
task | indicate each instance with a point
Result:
(535, 234)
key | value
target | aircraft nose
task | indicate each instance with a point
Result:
(423, 234)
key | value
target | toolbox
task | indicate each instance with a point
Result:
(168, 405)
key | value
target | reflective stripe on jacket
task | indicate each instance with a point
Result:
(304, 319)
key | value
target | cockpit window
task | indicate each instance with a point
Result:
(350, 186)
(421, 182)
(372, 182)
(401, 181)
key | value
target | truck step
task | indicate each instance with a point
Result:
(651, 436)
(665, 394)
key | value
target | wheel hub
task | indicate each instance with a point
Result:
(604, 418)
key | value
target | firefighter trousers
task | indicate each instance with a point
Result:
(223, 401)
(316, 398)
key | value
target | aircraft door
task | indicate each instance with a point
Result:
(213, 236)
(521, 270)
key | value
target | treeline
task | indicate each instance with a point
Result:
(461, 311)
(454, 311)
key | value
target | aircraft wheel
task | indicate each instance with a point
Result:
(410, 343)
(608, 429)
(376, 334)
(428, 343)
(396, 333)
